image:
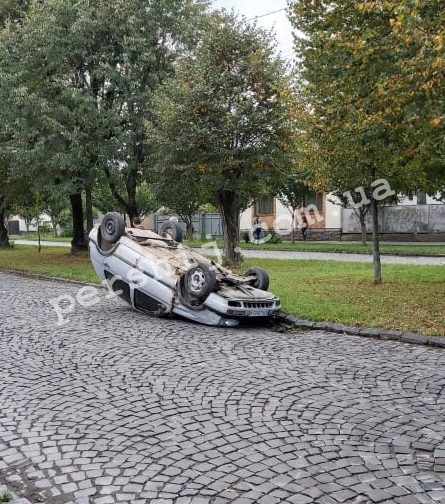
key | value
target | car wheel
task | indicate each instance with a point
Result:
(112, 227)
(171, 230)
(261, 278)
(200, 280)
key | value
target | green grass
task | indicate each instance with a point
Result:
(51, 261)
(43, 237)
(410, 298)
(343, 247)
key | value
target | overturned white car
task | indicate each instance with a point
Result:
(159, 275)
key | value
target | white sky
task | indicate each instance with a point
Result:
(277, 21)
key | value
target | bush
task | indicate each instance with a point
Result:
(274, 237)
(67, 232)
(45, 228)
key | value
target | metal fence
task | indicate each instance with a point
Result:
(400, 219)
(203, 224)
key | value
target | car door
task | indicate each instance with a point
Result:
(119, 268)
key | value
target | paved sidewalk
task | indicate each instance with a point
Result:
(331, 256)
(118, 407)
(43, 243)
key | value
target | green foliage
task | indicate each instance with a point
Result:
(224, 118)
(78, 78)
(418, 86)
(67, 232)
(352, 66)
(373, 74)
(208, 208)
(180, 189)
(5, 497)
(45, 228)
(12, 11)
(274, 236)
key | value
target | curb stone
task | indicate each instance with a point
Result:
(41, 276)
(391, 335)
(411, 337)
(371, 332)
(367, 332)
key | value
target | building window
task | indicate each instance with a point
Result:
(264, 205)
(314, 198)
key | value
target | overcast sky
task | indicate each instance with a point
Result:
(272, 20)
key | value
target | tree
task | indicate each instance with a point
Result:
(292, 192)
(347, 56)
(180, 189)
(145, 196)
(4, 240)
(85, 72)
(56, 206)
(11, 14)
(419, 29)
(224, 118)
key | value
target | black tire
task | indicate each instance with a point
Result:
(171, 230)
(112, 227)
(200, 281)
(261, 280)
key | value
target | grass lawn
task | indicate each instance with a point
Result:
(344, 247)
(52, 261)
(43, 237)
(411, 297)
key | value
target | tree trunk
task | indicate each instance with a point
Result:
(226, 201)
(131, 208)
(292, 234)
(375, 242)
(89, 209)
(4, 239)
(362, 215)
(130, 205)
(78, 243)
(131, 185)
(189, 227)
(54, 225)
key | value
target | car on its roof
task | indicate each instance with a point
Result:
(159, 275)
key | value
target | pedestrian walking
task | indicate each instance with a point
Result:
(256, 230)
(303, 226)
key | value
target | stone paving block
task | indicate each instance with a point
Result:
(378, 495)
(343, 495)
(300, 499)
(165, 412)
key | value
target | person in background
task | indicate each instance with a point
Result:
(304, 225)
(256, 230)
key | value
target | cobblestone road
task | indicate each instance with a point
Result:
(118, 407)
